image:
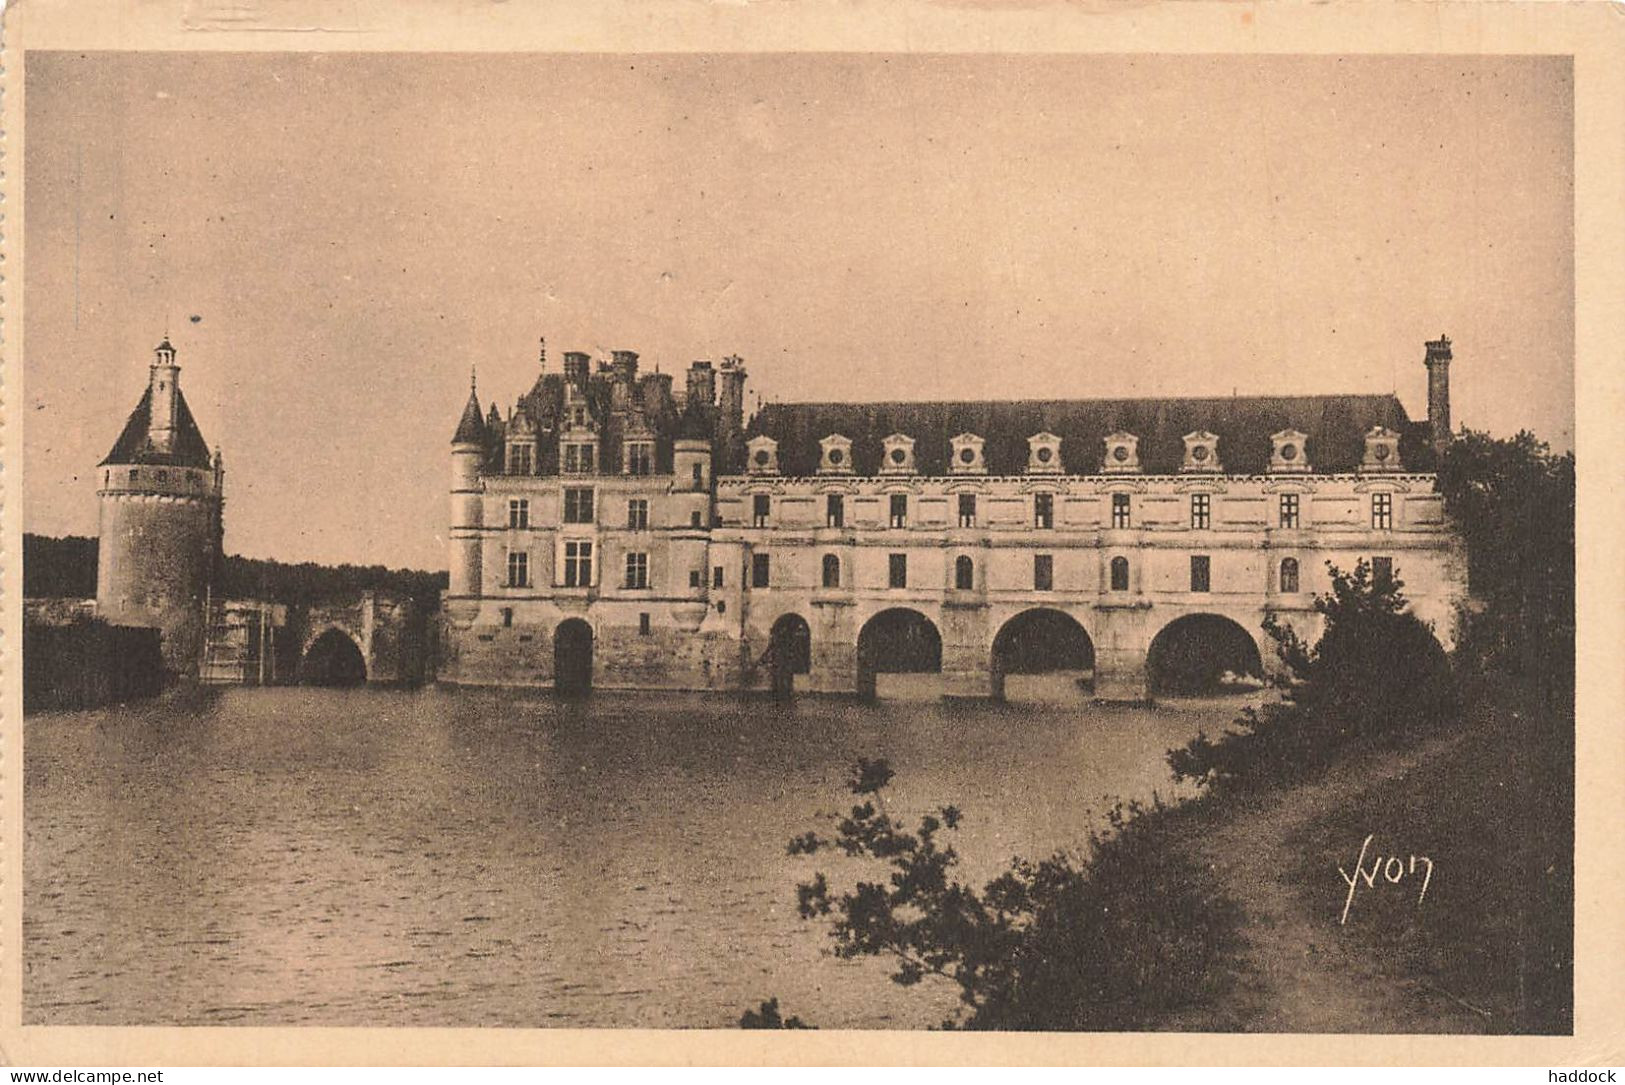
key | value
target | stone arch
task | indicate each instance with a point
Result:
(333, 657)
(789, 652)
(1203, 652)
(1041, 640)
(573, 657)
(897, 640)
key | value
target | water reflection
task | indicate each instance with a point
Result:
(356, 857)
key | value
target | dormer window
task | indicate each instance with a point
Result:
(762, 456)
(521, 458)
(966, 457)
(1288, 453)
(580, 458)
(1122, 454)
(1044, 454)
(640, 458)
(897, 455)
(836, 455)
(1201, 452)
(1381, 451)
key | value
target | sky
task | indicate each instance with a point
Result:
(333, 242)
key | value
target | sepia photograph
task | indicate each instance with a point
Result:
(1064, 542)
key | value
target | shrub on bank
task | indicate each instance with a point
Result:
(1112, 942)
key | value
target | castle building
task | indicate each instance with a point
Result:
(160, 519)
(614, 533)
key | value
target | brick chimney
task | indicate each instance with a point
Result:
(731, 413)
(577, 368)
(702, 385)
(1438, 363)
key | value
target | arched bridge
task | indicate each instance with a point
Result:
(369, 640)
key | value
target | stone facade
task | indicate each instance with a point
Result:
(838, 541)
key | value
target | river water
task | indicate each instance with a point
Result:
(365, 857)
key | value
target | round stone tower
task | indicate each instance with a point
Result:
(160, 532)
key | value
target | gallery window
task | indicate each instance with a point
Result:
(1382, 511)
(1289, 575)
(1120, 574)
(1043, 572)
(1201, 511)
(640, 458)
(964, 573)
(899, 510)
(1044, 510)
(758, 570)
(518, 512)
(637, 570)
(835, 510)
(832, 571)
(577, 505)
(967, 510)
(577, 564)
(1289, 510)
(761, 507)
(518, 569)
(1120, 510)
(1382, 570)
(637, 514)
(897, 571)
(1201, 573)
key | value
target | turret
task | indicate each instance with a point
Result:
(164, 387)
(468, 451)
(1438, 365)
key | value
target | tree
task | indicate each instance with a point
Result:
(1377, 672)
(1512, 500)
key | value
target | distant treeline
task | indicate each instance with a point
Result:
(66, 568)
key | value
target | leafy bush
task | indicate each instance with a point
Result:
(1377, 673)
(1111, 943)
(768, 1016)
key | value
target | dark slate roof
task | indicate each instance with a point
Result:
(471, 429)
(1335, 425)
(134, 445)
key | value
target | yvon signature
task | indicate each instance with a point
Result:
(1394, 870)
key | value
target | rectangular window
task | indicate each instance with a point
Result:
(519, 459)
(1043, 572)
(577, 564)
(761, 507)
(758, 570)
(637, 570)
(518, 569)
(897, 572)
(578, 459)
(699, 476)
(899, 510)
(640, 458)
(518, 512)
(694, 519)
(637, 514)
(1201, 573)
(716, 576)
(1201, 511)
(577, 505)
(1289, 510)
(967, 510)
(1119, 574)
(693, 578)
(507, 617)
(1120, 510)
(1382, 511)
(1382, 570)
(643, 624)
(1044, 510)
(835, 510)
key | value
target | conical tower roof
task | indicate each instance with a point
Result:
(471, 430)
(134, 445)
